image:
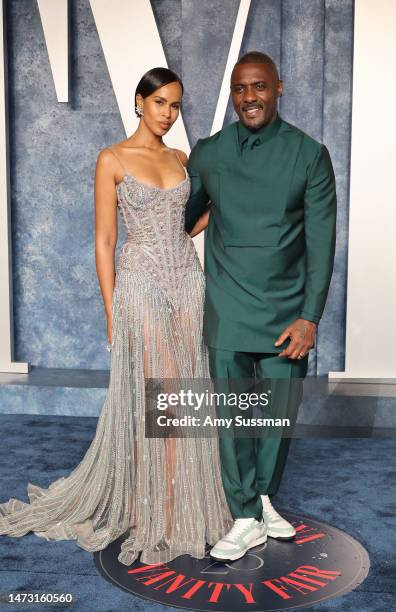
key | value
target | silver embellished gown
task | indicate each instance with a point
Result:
(165, 493)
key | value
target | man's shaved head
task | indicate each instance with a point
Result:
(256, 57)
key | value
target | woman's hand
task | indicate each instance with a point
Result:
(201, 224)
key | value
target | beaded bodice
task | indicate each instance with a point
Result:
(157, 244)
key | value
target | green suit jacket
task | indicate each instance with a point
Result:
(270, 241)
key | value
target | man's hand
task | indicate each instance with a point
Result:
(302, 337)
(201, 224)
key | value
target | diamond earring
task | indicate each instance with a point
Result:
(139, 110)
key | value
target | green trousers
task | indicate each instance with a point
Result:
(254, 466)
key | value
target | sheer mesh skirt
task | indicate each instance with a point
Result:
(165, 494)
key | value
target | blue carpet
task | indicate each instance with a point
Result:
(346, 482)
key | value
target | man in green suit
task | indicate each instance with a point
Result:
(268, 190)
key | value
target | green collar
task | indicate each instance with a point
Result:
(253, 138)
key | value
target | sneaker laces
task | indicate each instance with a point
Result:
(239, 527)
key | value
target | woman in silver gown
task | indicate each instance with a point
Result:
(166, 493)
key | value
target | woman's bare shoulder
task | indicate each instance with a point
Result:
(106, 158)
(109, 158)
(112, 152)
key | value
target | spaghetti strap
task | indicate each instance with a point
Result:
(119, 161)
(182, 165)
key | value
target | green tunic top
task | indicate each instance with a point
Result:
(270, 241)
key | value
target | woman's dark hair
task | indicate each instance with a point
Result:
(154, 79)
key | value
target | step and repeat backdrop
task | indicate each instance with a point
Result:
(70, 71)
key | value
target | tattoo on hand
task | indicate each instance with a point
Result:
(302, 331)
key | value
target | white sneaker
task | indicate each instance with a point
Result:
(246, 533)
(277, 527)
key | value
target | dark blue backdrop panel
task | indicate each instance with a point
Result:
(59, 315)
(169, 18)
(302, 60)
(337, 110)
(207, 33)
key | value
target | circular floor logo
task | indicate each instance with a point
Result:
(321, 563)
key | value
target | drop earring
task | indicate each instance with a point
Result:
(139, 110)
